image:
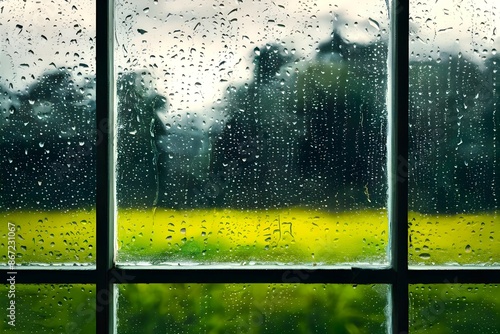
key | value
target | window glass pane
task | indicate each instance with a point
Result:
(47, 124)
(454, 308)
(251, 308)
(251, 132)
(454, 133)
(51, 237)
(67, 308)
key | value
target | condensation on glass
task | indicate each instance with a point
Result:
(251, 132)
(454, 133)
(454, 308)
(47, 122)
(48, 308)
(251, 308)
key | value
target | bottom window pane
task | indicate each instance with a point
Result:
(251, 308)
(48, 308)
(454, 308)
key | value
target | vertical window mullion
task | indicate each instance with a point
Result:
(398, 162)
(105, 166)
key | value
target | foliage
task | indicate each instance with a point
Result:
(300, 133)
(51, 308)
(137, 107)
(47, 141)
(453, 146)
(446, 308)
(308, 133)
(251, 308)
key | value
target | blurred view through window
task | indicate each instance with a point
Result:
(47, 131)
(251, 132)
(454, 133)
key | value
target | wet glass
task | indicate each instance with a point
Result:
(48, 131)
(251, 133)
(48, 308)
(251, 308)
(454, 308)
(454, 142)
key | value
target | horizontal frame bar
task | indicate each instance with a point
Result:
(292, 275)
(257, 275)
(53, 276)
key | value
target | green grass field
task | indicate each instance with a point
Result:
(245, 237)
(51, 237)
(290, 236)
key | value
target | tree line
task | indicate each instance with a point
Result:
(300, 133)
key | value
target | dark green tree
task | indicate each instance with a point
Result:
(313, 138)
(49, 138)
(136, 170)
(452, 146)
(341, 96)
(252, 159)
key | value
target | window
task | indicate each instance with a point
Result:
(264, 205)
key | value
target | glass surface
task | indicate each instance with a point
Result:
(50, 237)
(54, 308)
(251, 132)
(47, 129)
(251, 308)
(454, 309)
(454, 127)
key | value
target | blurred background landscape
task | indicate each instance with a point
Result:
(235, 119)
(298, 133)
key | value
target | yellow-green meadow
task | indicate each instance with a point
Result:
(286, 235)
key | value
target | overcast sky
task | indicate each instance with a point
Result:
(196, 49)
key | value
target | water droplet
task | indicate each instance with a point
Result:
(468, 249)
(257, 51)
(374, 23)
(425, 256)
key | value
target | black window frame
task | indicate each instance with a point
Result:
(105, 275)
